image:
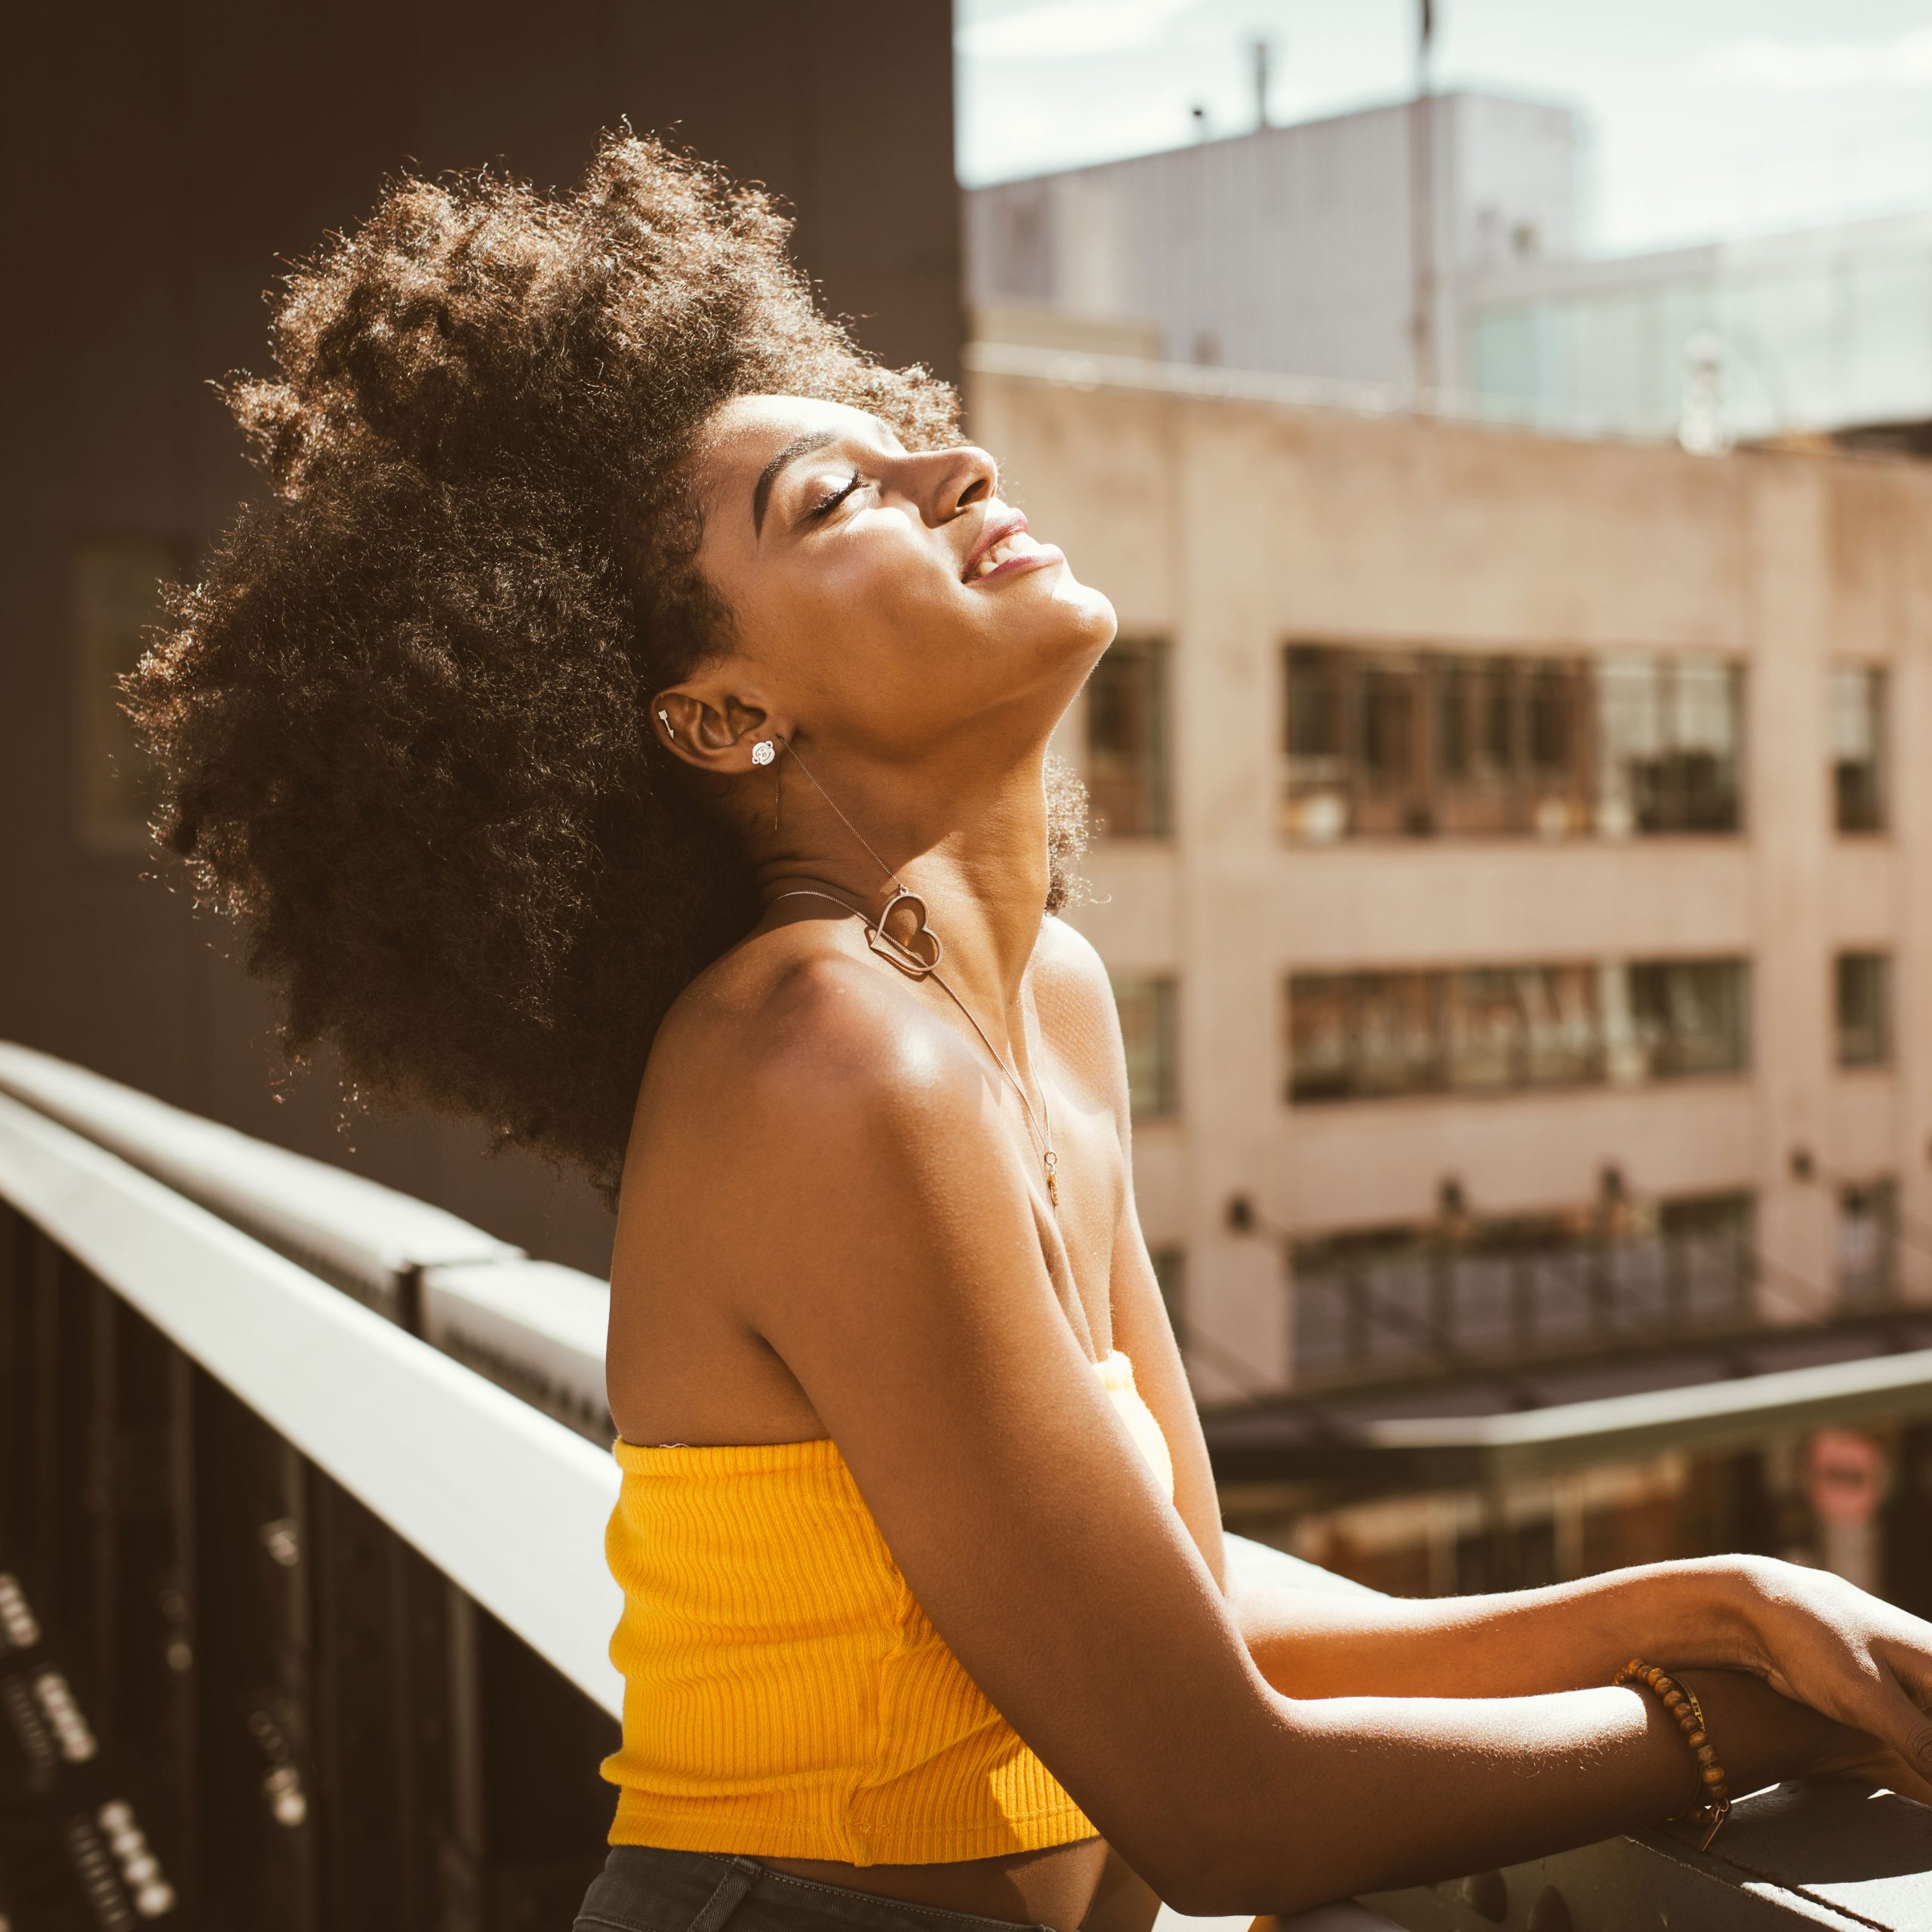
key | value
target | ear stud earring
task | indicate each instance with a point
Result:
(763, 752)
(665, 718)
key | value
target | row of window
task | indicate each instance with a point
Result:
(1526, 1285)
(1382, 1299)
(1354, 1036)
(1372, 1035)
(1388, 744)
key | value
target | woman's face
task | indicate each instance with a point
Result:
(884, 598)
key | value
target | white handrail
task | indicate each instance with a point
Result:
(345, 1225)
(534, 1327)
(507, 1503)
(1702, 1414)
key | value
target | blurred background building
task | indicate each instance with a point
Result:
(1432, 246)
(1512, 869)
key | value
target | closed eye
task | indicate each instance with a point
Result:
(827, 504)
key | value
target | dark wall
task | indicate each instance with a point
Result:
(159, 157)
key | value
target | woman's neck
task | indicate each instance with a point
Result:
(972, 847)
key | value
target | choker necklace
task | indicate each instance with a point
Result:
(917, 957)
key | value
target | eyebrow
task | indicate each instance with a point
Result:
(815, 439)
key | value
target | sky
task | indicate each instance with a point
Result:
(1702, 118)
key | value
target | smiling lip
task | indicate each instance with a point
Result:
(998, 532)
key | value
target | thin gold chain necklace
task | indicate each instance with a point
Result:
(915, 964)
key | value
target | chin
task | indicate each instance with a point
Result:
(1090, 620)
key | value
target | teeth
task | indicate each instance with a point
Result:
(1019, 543)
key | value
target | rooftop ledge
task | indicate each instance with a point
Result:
(420, 1384)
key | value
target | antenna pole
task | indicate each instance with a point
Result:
(1427, 375)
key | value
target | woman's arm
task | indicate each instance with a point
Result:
(892, 1260)
(1806, 1633)
(1316, 1644)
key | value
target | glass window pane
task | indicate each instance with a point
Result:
(1388, 724)
(1484, 1031)
(1319, 758)
(1561, 1029)
(1669, 733)
(1147, 1007)
(1551, 718)
(1705, 716)
(1868, 1241)
(1630, 738)
(1857, 720)
(1127, 762)
(1474, 789)
(1355, 1036)
(1320, 1037)
(1396, 1024)
(1687, 1017)
(1863, 1003)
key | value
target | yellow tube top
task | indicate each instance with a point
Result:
(783, 1693)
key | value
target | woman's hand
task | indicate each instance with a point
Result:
(1861, 1662)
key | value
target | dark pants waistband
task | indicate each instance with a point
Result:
(644, 1888)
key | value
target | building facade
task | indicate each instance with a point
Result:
(1817, 329)
(1431, 246)
(1518, 889)
(1332, 249)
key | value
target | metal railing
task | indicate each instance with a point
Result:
(303, 1609)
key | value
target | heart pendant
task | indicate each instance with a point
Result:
(916, 957)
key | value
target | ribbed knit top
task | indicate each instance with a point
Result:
(784, 1694)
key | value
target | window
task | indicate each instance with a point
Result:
(1867, 1240)
(1522, 1026)
(1363, 1035)
(1864, 1009)
(1148, 1026)
(1387, 744)
(1669, 736)
(1354, 1036)
(1320, 761)
(1388, 1299)
(1856, 711)
(1685, 1016)
(117, 598)
(1126, 739)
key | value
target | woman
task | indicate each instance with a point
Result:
(625, 679)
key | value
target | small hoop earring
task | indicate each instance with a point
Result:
(665, 718)
(763, 752)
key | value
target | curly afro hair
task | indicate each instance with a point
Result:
(402, 718)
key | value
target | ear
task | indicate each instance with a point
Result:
(712, 731)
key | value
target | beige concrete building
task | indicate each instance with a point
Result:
(1519, 876)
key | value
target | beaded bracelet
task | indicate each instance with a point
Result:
(1682, 1704)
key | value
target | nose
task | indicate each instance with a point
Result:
(945, 482)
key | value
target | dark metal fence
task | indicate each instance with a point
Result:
(278, 1712)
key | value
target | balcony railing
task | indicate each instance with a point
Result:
(304, 1609)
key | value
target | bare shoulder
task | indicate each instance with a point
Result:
(797, 1042)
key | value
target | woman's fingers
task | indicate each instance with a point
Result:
(1887, 1713)
(1888, 1768)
